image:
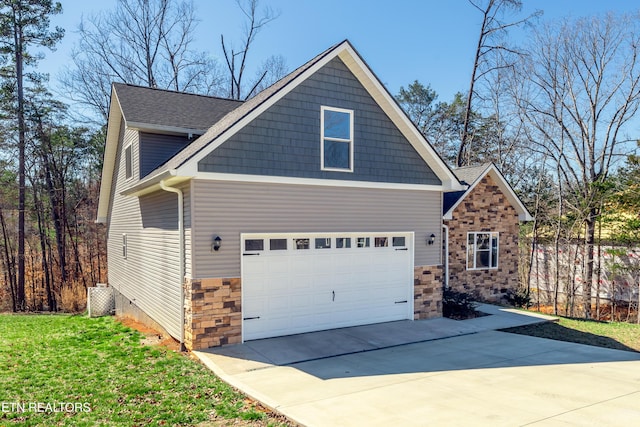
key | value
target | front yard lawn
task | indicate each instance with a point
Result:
(75, 371)
(616, 335)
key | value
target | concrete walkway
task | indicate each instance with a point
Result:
(435, 372)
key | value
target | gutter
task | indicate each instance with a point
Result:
(182, 253)
(446, 255)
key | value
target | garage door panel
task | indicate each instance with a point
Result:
(294, 290)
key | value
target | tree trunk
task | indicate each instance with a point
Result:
(18, 38)
(599, 267)
(587, 280)
(9, 262)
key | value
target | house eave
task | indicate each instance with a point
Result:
(109, 159)
(152, 184)
(171, 130)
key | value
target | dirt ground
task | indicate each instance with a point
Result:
(151, 336)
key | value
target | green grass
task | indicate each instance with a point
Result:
(100, 363)
(616, 335)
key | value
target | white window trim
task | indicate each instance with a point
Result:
(349, 141)
(491, 235)
(125, 248)
(127, 178)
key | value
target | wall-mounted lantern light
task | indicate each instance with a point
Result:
(217, 242)
(431, 239)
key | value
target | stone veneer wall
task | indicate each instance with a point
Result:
(213, 307)
(427, 292)
(213, 314)
(485, 209)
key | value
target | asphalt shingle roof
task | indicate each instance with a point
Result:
(467, 175)
(171, 109)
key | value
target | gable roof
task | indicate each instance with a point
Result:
(184, 164)
(471, 176)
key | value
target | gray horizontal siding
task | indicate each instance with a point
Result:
(230, 208)
(186, 192)
(285, 139)
(150, 275)
(156, 149)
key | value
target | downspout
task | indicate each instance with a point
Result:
(446, 255)
(182, 263)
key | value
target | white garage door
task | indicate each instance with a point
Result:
(302, 282)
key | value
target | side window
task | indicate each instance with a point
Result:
(336, 139)
(128, 159)
(482, 250)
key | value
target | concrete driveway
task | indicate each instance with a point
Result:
(449, 373)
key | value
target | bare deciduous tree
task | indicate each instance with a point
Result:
(582, 88)
(142, 42)
(236, 60)
(491, 44)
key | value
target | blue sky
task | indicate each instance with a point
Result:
(432, 41)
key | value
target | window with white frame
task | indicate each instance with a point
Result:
(128, 162)
(336, 140)
(482, 250)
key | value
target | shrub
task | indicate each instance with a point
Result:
(458, 305)
(518, 298)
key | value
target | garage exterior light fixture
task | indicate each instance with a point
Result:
(431, 239)
(217, 242)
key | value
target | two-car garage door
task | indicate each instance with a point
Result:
(302, 282)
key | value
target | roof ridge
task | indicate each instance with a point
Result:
(177, 92)
(482, 165)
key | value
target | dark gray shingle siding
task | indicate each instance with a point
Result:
(156, 149)
(285, 139)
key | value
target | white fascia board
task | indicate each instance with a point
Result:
(523, 213)
(163, 129)
(380, 94)
(371, 83)
(216, 176)
(191, 165)
(512, 197)
(109, 160)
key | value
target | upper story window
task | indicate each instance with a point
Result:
(482, 250)
(337, 139)
(128, 162)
